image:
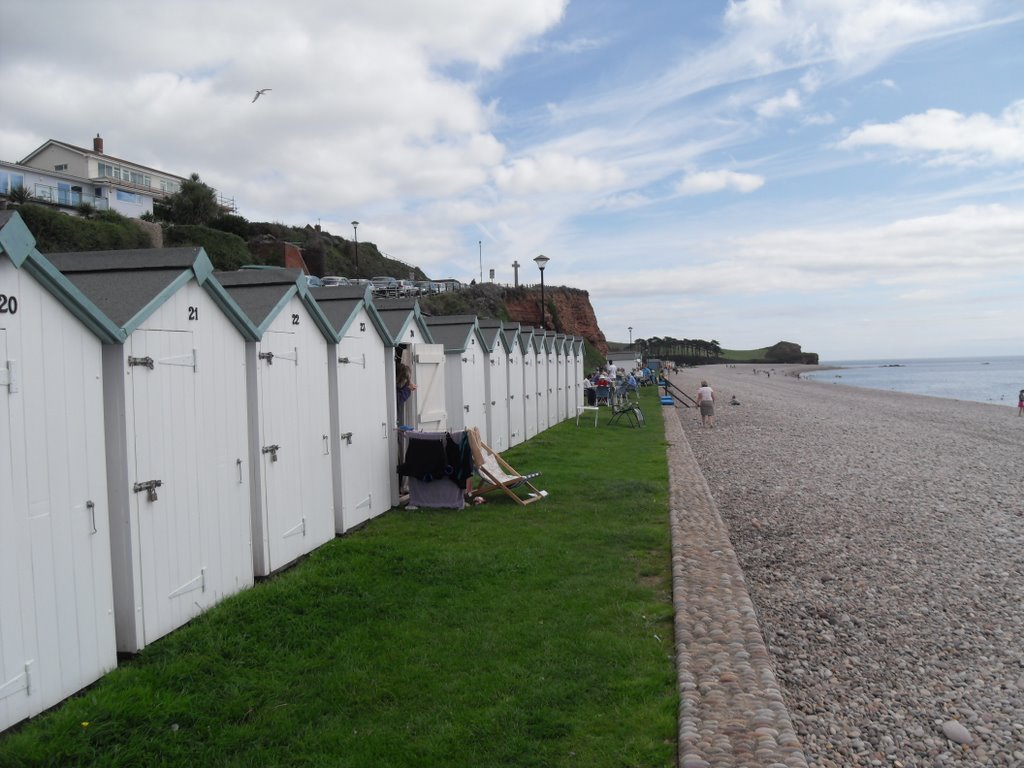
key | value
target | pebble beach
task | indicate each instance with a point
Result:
(881, 539)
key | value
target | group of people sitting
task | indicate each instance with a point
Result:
(616, 380)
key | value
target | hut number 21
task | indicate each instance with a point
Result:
(8, 304)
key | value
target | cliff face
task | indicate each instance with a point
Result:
(568, 311)
(790, 352)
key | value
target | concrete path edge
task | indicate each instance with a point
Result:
(731, 709)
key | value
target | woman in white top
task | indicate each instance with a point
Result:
(706, 403)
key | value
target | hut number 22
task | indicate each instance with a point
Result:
(8, 304)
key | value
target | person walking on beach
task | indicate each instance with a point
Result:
(1020, 403)
(706, 403)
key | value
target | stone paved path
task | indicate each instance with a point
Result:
(731, 711)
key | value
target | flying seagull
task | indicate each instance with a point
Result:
(259, 93)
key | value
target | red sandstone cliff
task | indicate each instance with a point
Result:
(568, 311)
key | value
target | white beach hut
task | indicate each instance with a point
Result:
(540, 355)
(56, 598)
(574, 359)
(425, 410)
(516, 415)
(496, 402)
(362, 405)
(530, 400)
(464, 375)
(176, 434)
(290, 423)
(561, 380)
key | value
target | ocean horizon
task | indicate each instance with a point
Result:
(993, 380)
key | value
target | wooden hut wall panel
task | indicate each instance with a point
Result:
(530, 399)
(365, 413)
(560, 382)
(185, 544)
(295, 482)
(497, 402)
(430, 398)
(56, 600)
(541, 364)
(516, 415)
(574, 372)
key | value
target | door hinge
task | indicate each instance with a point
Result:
(9, 376)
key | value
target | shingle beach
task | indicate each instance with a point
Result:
(881, 540)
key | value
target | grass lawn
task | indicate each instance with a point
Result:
(744, 355)
(493, 636)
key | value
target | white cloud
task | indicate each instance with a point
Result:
(555, 172)
(822, 119)
(950, 137)
(715, 181)
(852, 33)
(779, 105)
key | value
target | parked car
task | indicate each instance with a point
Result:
(408, 288)
(313, 281)
(329, 280)
(385, 286)
(428, 287)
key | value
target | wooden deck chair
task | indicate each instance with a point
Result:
(496, 473)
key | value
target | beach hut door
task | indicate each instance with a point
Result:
(163, 423)
(14, 543)
(280, 445)
(428, 373)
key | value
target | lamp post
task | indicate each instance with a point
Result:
(631, 337)
(541, 262)
(355, 239)
(480, 245)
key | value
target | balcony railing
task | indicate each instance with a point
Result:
(69, 197)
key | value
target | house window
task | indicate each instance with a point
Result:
(129, 197)
(10, 182)
(60, 167)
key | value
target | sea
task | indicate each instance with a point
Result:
(979, 379)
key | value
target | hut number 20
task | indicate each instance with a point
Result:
(8, 304)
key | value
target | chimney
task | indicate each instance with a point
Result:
(97, 145)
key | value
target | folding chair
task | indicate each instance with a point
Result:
(628, 409)
(497, 473)
(602, 394)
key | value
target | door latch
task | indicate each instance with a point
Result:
(149, 486)
(272, 450)
(347, 437)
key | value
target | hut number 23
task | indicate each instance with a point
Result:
(8, 304)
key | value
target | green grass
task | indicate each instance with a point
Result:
(744, 355)
(493, 636)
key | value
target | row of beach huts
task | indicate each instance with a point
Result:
(169, 434)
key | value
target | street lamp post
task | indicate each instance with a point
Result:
(480, 245)
(541, 262)
(355, 239)
(631, 337)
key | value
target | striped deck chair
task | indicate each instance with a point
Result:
(495, 473)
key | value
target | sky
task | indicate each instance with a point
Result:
(844, 174)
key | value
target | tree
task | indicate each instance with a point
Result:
(194, 203)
